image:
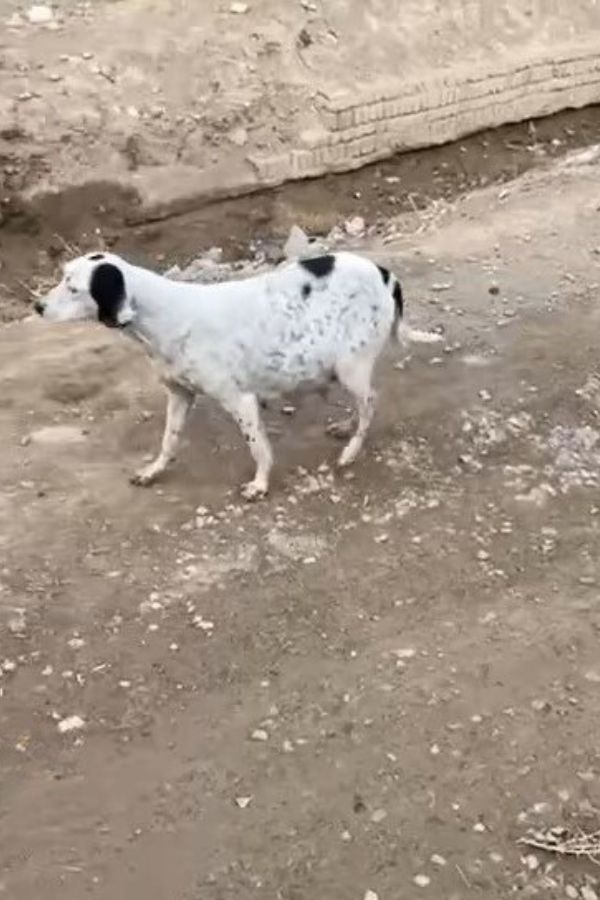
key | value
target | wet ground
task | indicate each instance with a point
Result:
(367, 686)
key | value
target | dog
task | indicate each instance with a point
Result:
(242, 343)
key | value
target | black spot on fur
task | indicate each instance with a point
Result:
(95, 257)
(398, 299)
(319, 266)
(306, 291)
(385, 274)
(107, 287)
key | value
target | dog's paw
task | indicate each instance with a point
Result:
(349, 453)
(143, 477)
(254, 490)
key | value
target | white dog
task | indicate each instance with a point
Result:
(243, 342)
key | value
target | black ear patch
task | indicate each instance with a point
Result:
(319, 266)
(107, 287)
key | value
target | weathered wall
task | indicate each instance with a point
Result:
(184, 99)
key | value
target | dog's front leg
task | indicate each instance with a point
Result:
(179, 402)
(245, 410)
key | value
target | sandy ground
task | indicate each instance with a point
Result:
(358, 683)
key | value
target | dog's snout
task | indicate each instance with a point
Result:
(39, 307)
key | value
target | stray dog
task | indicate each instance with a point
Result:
(242, 342)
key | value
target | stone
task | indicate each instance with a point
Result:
(40, 15)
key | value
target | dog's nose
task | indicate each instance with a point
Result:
(39, 307)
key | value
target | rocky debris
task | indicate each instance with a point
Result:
(71, 723)
(40, 14)
(355, 227)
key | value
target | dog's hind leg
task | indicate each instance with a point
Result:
(245, 410)
(355, 375)
(179, 402)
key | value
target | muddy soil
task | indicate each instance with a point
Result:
(368, 686)
(36, 237)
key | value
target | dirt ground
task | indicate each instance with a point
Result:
(364, 687)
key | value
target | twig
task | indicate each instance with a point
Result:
(463, 876)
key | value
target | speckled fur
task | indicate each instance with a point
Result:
(242, 342)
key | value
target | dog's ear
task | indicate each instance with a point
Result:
(107, 288)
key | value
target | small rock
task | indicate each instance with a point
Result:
(259, 734)
(422, 881)
(371, 895)
(300, 246)
(588, 893)
(243, 802)
(203, 624)
(355, 226)
(438, 860)
(572, 892)
(479, 827)
(593, 676)
(405, 653)
(238, 136)
(238, 9)
(76, 643)
(40, 15)
(378, 816)
(71, 723)
(494, 289)
(17, 624)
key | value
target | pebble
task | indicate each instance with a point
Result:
(71, 723)
(355, 226)
(371, 895)
(378, 816)
(494, 289)
(405, 653)
(593, 676)
(243, 802)
(438, 860)
(259, 734)
(479, 827)
(588, 893)
(39, 15)
(238, 9)
(422, 881)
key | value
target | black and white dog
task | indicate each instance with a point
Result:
(242, 342)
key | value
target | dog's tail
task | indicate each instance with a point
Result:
(401, 331)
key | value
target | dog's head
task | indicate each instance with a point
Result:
(93, 287)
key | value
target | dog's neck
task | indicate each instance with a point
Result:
(154, 301)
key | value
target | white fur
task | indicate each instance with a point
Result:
(245, 341)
